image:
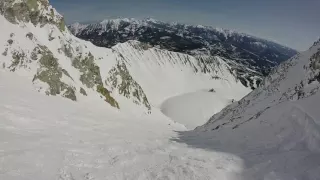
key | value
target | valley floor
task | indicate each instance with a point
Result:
(45, 137)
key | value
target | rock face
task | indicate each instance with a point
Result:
(50, 72)
(128, 87)
(251, 58)
(133, 76)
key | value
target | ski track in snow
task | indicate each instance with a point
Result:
(53, 138)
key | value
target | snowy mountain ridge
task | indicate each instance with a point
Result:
(78, 27)
(250, 57)
(128, 76)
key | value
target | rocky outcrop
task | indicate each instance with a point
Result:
(49, 64)
(51, 72)
(90, 72)
(35, 11)
(120, 79)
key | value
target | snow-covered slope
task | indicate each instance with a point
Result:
(32, 43)
(44, 137)
(49, 138)
(276, 128)
(294, 80)
(131, 76)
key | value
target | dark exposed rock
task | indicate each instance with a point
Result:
(51, 73)
(17, 59)
(10, 41)
(83, 92)
(5, 53)
(90, 72)
(30, 36)
(108, 98)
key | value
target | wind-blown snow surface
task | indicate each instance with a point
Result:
(276, 128)
(43, 137)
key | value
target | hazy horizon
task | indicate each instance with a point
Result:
(289, 22)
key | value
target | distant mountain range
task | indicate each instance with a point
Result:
(250, 58)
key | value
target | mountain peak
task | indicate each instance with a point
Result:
(116, 22)
(151, 22)
(316, 42)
